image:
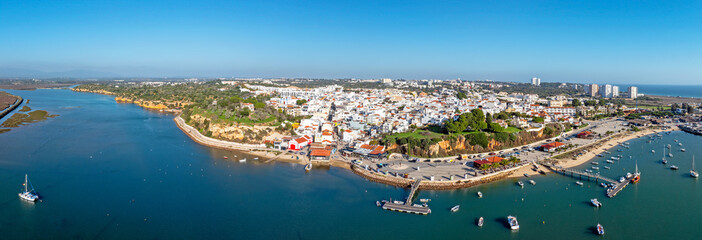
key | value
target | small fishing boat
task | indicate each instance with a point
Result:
(513, 224)
(480, 195)
(622, 179)
(600, 230)
(595, 202)
(377, 203)
(455, 208)
(532, 182)
(670, 154)
(520, 183)
(673, 167)
(526, 175)
(225, 157)
(596, 168)
(653, 151)
(481, 221)
(606, 167)
(604, 185)
(256, 158)
(308, 167)
(595, 163)
(242, 160)
(610, 161)
(629, 175)
(588, 171)
(579, 183)
(28, 192)
(682, 150)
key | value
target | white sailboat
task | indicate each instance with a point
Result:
(663, 160)
(27, 193)
(693, 172)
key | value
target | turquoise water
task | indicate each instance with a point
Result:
(115, 171)
(670, 90)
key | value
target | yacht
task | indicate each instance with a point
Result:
(28, 192)
(455, 208)
(532, 182)
(693, 172)
(480, 195)
(595, 168)
(682, 150)
(637, 174)
(600, 229)
(595, 163)
(595, 202)
(673, 167)
(481, 221)
(610, 161)
(629, 175)
(520, 183)
(604, 185)
(622, 179)
(513, 224)
(579, 183)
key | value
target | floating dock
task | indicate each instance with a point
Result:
(407, 206)
(611, 192)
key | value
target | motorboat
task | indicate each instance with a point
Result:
(225, 157)
(610, 161)
(242, 160)
(595, 163)
(622, 179)
(595, 202)
(682, 150)
(588, 171)
(526, 175)
(629, 175)
(481, 221)
(28, 192)
(480, 195)
(513, 224)
(308, 167)
(425, 200)
(673, 167)
(606, 167)
(520, 183)
(455, 208)
(579, 183)
(596, 168)
(600, 230)
(604, 185)
(532, 182)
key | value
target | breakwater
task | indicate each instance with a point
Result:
(12, 107)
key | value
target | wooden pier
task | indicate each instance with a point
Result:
(407, 205)
(611, 192)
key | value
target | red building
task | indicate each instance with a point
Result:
(488, 161)
(550, 147)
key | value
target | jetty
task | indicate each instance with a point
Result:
(407, 206)
(611, 192)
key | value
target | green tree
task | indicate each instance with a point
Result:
(538, 119)
(575, 102)
(548, 131)
(461, 95)
(479, 139)
(301, 101)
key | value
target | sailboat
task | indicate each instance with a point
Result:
(27, 193)
(664, 161)
(637, 174)
(693, 172)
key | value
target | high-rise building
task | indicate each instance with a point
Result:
(633, 92)
(536, 81)
(606, 91)
(615, 91)
(593, 89)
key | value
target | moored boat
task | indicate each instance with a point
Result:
(673, 167)
(520, 183)
(622, 179)
(595, 202)
(532, 182)
(480, 194)
(513, 224)
(637, 174)
(455, 208)
(606, 167)
(28, 192)
(600, 230)
(693, 172)
(579, 183)
(481, 221)
(242, 160)
(308, 167)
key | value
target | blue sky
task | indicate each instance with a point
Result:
(567, 41)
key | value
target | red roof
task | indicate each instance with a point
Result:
(552, 145)
(320, 153)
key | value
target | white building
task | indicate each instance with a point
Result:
(633, 92)
(615, 91)
(593, 89)
(536, 81)
(606, 91)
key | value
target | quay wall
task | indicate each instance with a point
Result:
(432, 185)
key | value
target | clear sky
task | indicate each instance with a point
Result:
(571, 40)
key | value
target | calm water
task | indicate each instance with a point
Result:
(115, 171)
(670, 90)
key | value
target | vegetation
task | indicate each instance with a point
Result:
(545, 90)
(19, 119)
(25, 109)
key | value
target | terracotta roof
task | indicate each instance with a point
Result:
(320, 153)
